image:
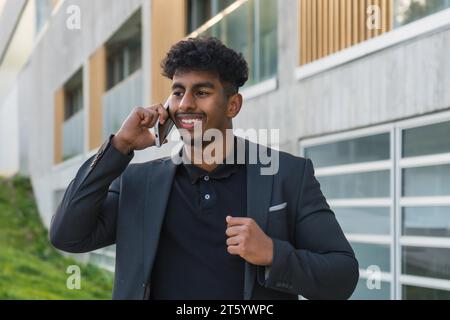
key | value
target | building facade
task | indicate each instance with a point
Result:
(358, 86)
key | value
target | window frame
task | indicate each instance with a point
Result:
(397, 201)
(364, 202)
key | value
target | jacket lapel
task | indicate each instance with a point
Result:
(157, 191)
(259, 191)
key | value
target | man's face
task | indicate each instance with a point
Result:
(199, 99)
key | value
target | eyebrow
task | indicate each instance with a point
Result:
(205, 84)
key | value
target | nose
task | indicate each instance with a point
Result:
(186, 103)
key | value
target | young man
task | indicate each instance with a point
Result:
(201, 229)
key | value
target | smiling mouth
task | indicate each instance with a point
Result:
(188, 121)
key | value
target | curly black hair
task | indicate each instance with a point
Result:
(207, 54)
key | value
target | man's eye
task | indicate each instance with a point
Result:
(178, 94)
(202, 93)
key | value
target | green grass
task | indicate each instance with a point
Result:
(30, 268)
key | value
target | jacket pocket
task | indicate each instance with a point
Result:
(277, 224)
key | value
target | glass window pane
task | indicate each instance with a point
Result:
(362, 292)
(407, 11)
(426, 181)
(426, 262)
(426, 221)
(369, 254)
(356, 185)
(420, 293)
(238, 34)
(43, 12)
(268, 39)
(251, 29)
(431, 139)
(365, 149)
(199, 13)
(364, 220)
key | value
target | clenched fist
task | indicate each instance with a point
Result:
(134, 133)
(247, 240)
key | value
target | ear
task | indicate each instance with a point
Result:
(234, 105)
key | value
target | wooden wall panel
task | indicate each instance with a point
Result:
(168, 25)
(97, 87)
(327, 26)
(58, 126)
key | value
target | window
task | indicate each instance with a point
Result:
(355, 177)
(407, 11)
(124, 51)
(250, 28)
(43, 13)
(201, 11)
(124, 74)
(360, 220)
(426, 262)
(358, 150)
(123, 61)
(424, 205)
(426, 221)
(420, 293)
(425, 140)
(73, 126)
(362, 292)
(389, 188)
(372, 254)
(74, 101)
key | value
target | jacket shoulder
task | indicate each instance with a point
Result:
(290, 164)
(138, 168)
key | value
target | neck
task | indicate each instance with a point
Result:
(210, 155)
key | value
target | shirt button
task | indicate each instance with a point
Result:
(207, 196)
(206, 178)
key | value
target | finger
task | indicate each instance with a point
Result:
(234, 241)
(234, 250)
(162, 113)
(149, 117)
(140, 112)
(233, 221)
(233, 231)
(143, 116)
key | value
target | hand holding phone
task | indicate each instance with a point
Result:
(162, 130)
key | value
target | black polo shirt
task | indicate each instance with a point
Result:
(192, 261)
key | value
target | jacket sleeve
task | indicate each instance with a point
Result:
(86, 218)
(321, 263)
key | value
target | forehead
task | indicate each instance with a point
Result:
(193, 77)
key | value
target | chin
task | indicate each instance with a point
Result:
(191, 139)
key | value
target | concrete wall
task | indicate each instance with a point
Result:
(8, 19)
(16, 38)
(9, 135)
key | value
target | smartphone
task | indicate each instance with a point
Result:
(162, 131)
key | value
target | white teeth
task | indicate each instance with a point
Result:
(190, 121)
